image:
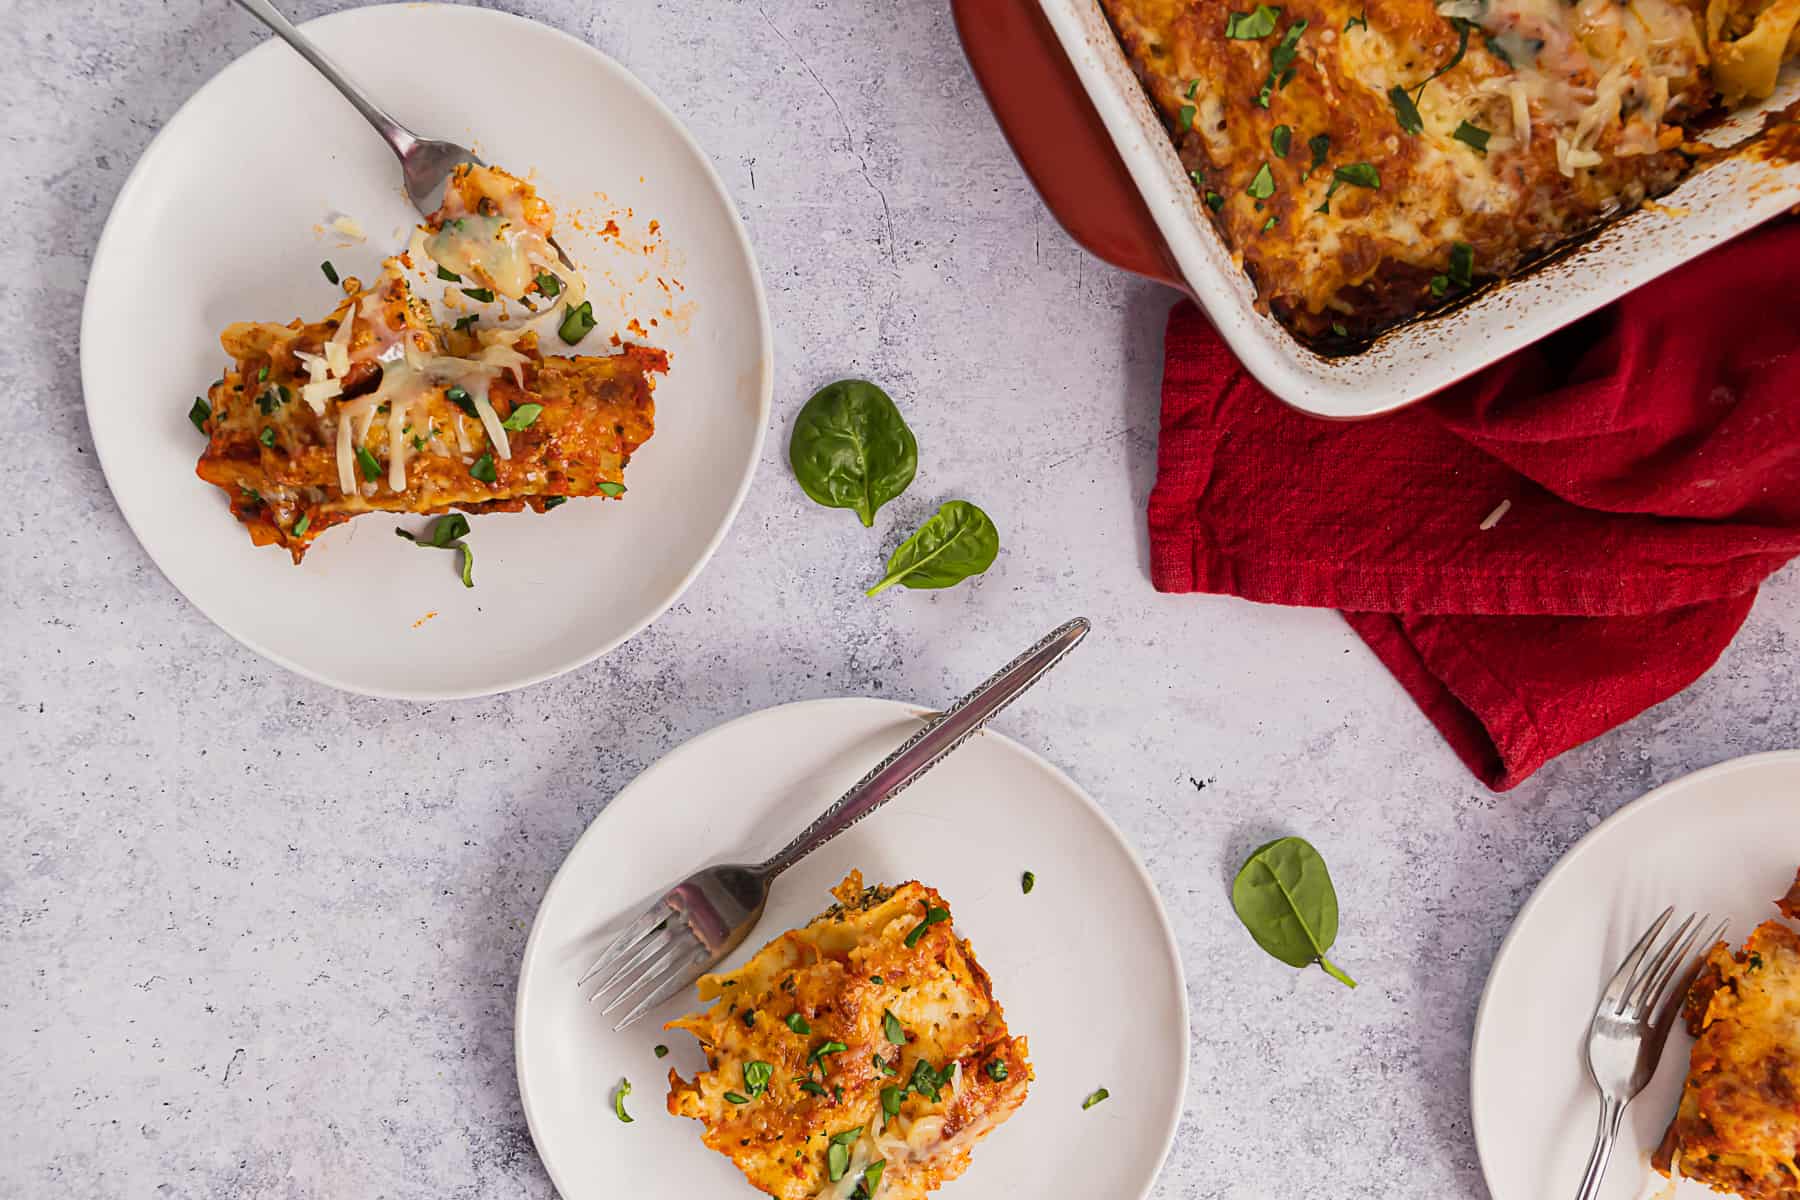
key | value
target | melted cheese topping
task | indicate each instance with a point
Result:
(1535, 121)
(839, 978)
(1738, 1125)
(494, 230)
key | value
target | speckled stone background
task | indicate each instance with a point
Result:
(260, 938)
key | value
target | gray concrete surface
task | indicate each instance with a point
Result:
(260, 938)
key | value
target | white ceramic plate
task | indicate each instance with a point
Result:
(219, 223)
(1725, 840)
(1084, 966)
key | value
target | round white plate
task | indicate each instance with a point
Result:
(1725, 840)
(221, 221)
(1084, 966)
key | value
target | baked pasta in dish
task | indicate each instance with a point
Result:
(379, 408)
(1366, 162)
(861, 1056)
(1738, 1126)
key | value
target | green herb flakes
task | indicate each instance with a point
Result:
(756, 1076)
(737, 1097)
(660, 1050)
(624, 1090)
(1280, 138)
(1027, 881)
(1281, 63)
(551, 502)
(1262, 185)
(303, 524)
(371, 468)
(1363, 175)
(1320, 145)
(577, 323)
(456, 395)
(1473, 136)
(482, 294)
(447, 275)
(1405, 111)
(996, 1070)
(522, 417)
(200, 413)
(331, 274)
(890, 1100)
(837, 1160)
(1258, 23)
(549, 284)
(1462, 264)
(1215, 201)
(798, 1024)
(607, 487)
(267, 436)
(484, 468)
(467, 322)
(932, 917)
(1094, 1097)
(892, 1029)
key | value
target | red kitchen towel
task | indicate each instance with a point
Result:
(1540, 553)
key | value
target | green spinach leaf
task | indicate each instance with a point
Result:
(1284, 897)
(955, 542)
(852, 449)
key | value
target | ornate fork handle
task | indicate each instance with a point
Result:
(928, 747)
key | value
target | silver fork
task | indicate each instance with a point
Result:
(1630, 1025)
(425, 164)
(685, 931)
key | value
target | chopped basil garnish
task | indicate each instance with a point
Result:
(1338, 328)
(996, 1070)
(481, 294)
(737, 1097)
(871, 1179)
(267, 437)
(484, 468)
(847, 1137)
(1472, 135)
(892, 1029)
(890, 1100)
(749, 1018)
(875, 979)
(468, 564)
(1353, 22)
(200, 413)
(798, 1024)
(932, 917)
(548, 284)
(1405, 111)
(1463, 27)
(1363, 175)
(262, 374)
(1187, 117)
(812, 1087)
(577, 323)
(1281, 63)
(1280, 138)
(1268, 224)
(467, 322)
(837, 1160)
(330, 271)
(883, 1065)
(303, 524)
(266, 401)
(1192, 88)
(1095, 1097)
(457, 396)
(371, 468)
(250, 494)
(926, 1080)
(1215, 201)
(1027, 881)
(551, 502)
(1259, 23)
(1262, 186)
(1440, 285)
(447, 275)
(1462, 264)
(609, 488)
(824, 1048)
(660, 1050)
(619, 1100)
(756, 1076)
(1320, 145)
(522, 417)
(444, 536)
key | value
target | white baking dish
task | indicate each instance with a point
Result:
(1711, 206)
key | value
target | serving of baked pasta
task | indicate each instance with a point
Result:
(1367, 162)
(1737, 1129)
(862, 1055)
(379, 407)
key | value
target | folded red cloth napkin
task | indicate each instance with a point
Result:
(1540, 553)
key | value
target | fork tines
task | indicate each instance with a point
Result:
(1637, 987)
(646, 963)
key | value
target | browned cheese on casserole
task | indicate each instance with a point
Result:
(1368, 160)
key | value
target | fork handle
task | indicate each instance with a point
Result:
(1612, 1113)
(395, 134)
(931, 745)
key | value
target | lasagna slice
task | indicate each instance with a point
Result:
(862, 1056)
(378, 409)
(1737, 1129)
